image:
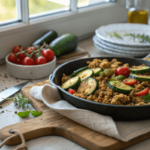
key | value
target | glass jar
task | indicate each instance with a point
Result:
(137, 11)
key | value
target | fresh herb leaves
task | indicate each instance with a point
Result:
(114, 34)
(36, 113)
(26, 113)
(143, 37)
(22, 101)
(117, 35)
(147, 98)
(23, 114)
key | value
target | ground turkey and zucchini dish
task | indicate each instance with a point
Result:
(110, 83)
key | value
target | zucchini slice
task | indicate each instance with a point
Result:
(119, 86)
(71, 83)
(139, 69)
(88, 86)
(140, 77)
(96, 71)
(85, 74)
(77, 71)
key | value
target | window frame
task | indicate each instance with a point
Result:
(19, 18)
(24, 17)
(49, 13)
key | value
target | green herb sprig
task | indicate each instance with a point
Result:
(114, 34)
(147, 98)
(143, 37)
(22, 102)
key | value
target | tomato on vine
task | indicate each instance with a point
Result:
(28, 61)
(40, 60)
(12, 58)
(21, 55)
(17, 49)
(48, 54)
(30, 49)
(31, 56)
(19, 61)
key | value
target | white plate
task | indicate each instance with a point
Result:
(143, 49)
(124, 28)
(133, 53)
(124, 53)
(111, 52)
(116, 53)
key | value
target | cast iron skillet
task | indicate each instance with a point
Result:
(117, 112)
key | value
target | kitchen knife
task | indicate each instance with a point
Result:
(11, 91)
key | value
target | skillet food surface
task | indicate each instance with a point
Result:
(96, 87)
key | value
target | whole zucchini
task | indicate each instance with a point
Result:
(47, 37)
(64, 44)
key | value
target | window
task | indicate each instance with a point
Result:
(17, 10)
(84, 3)
(44, 7)
(9, 10)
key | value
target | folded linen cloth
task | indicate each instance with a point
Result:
(123, 131)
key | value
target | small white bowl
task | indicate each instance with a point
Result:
(30, 72)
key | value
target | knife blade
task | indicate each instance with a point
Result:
(11, 91)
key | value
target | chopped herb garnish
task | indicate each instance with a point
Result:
(147, 98)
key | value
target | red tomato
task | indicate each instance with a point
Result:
(143, 92)
(28, 61)
(40, 60)
(49, 54)
(129, 81)
(12, 58)
(17, 49)
(19, 61)
(30, 49)
(33, 48)
(123, 71)
(21, 56)
(71, 91)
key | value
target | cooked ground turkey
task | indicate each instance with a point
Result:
(106, 95)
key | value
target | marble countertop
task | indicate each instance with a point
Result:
(47, 142)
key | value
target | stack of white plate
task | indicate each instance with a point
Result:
(126, 45)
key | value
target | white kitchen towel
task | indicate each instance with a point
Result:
(123, 131)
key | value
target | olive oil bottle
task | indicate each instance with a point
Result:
(137, 12)
(138, 16)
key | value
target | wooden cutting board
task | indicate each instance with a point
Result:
(52, 123)
(78, 53)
